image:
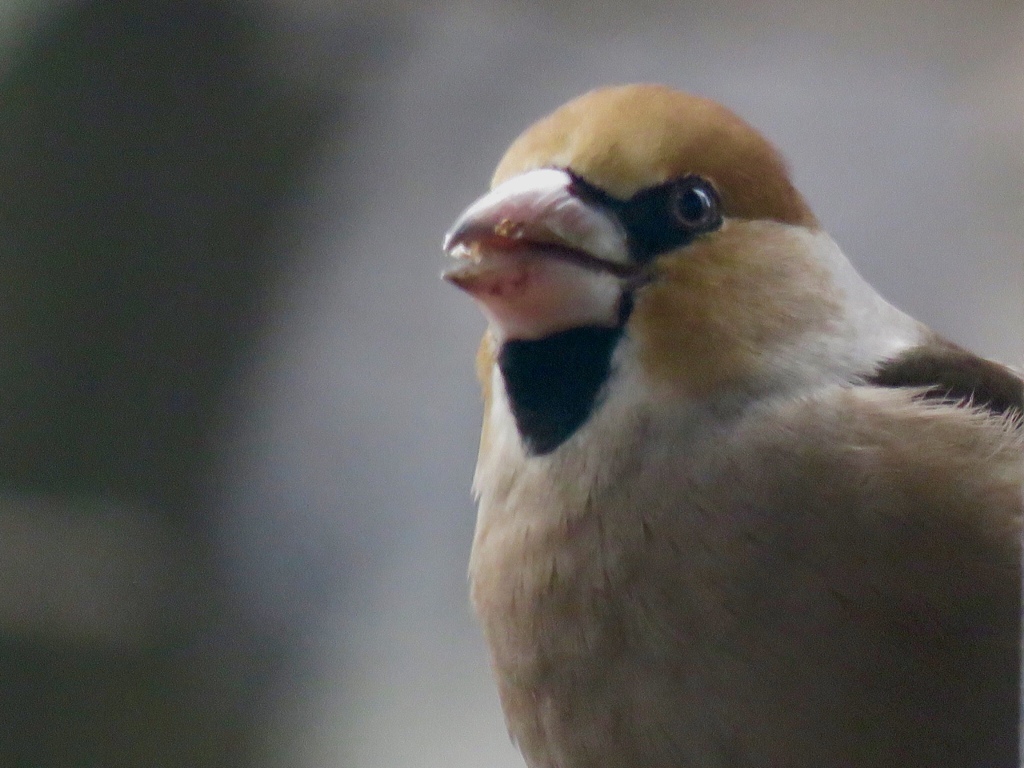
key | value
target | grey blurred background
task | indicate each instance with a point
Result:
(237, 409)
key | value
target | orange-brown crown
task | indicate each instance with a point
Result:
(629, 137)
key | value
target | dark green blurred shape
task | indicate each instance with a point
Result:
(146, 150)
(142, 157)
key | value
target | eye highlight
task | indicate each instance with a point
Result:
(693, 204)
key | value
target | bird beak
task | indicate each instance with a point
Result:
(538, 258)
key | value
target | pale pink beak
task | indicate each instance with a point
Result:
(537, 258)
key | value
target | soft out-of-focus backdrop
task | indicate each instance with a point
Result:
(237, 410)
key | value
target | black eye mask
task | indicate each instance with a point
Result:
(660, 218)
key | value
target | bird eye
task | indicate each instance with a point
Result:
(693, 204)
(666, 216)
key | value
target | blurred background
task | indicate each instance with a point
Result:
(237, 408)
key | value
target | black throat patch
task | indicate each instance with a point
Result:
(553, 383)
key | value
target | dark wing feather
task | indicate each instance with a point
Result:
(949, 372)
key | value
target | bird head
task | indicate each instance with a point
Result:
(645, 213)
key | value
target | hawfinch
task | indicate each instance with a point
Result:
(735, 509)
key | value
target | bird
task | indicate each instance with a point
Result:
(734, 507)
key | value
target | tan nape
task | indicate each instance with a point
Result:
(717, 309)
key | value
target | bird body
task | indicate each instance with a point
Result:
(734, 508)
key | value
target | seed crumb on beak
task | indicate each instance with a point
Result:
(510, 229)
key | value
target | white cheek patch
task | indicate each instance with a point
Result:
(530, 295)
